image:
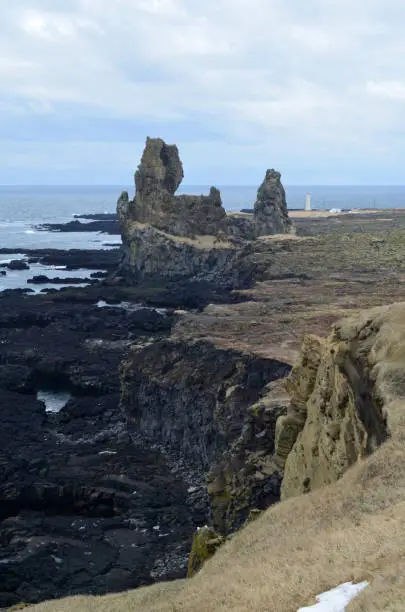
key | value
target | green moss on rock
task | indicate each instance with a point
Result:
(205, 543)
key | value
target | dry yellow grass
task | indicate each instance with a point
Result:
(202, 241)
(351, 530)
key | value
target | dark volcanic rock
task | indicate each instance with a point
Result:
(93, 259)
(270, 209)
(190, 237)
(82, 508)
(17, 264)
(170, 237)
(192, 398)
(41, 279)
(157, 179)
(106, 226)
(98, 216)
(98, 274)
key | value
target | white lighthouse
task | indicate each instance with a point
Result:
(308, 202)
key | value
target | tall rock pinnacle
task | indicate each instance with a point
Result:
(270, 209)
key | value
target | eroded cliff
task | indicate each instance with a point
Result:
(345, 399)
(209, 409)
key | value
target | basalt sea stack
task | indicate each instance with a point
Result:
(177, 237)
(270, 209)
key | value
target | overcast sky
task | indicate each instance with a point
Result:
(314, 88)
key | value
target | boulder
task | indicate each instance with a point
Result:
(18, 264)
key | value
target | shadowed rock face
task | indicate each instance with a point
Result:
(270, 209)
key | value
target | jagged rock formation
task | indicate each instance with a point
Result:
(270, 209)
(174, 237)
(168, 236)
(157, 179)
(344, 399)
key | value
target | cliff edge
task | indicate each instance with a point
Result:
(348, 413)
(347, 398)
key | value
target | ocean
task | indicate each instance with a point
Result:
(22, 209)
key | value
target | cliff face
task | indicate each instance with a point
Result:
(345, 399)
(168, 236)
(206, 408)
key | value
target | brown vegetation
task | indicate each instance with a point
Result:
(352, 529)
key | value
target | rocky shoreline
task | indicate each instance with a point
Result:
(145, 405)
(99, 494)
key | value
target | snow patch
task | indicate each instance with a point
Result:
(336, 599)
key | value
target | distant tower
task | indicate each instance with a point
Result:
(308, 202)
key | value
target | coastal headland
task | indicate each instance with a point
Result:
(178, 413)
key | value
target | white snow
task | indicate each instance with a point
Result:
(336, 599)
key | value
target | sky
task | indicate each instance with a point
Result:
(314, 88)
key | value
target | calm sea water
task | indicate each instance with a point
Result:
(22, 209)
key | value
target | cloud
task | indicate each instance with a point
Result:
(392, 90)
(305, 82)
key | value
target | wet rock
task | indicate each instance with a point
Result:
(42, 279)
(18, 264)
(105, 226)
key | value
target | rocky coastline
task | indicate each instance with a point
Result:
(95, 495)
(153, 401)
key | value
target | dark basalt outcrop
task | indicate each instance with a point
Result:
(105, 226)
(205, 407)
(18, 264)
(82, 508)
(174, 237)
(270, 209)
(170, 236)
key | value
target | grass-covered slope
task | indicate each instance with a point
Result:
(352, 529)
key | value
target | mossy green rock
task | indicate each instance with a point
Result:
(205, 543)
(335, 417)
